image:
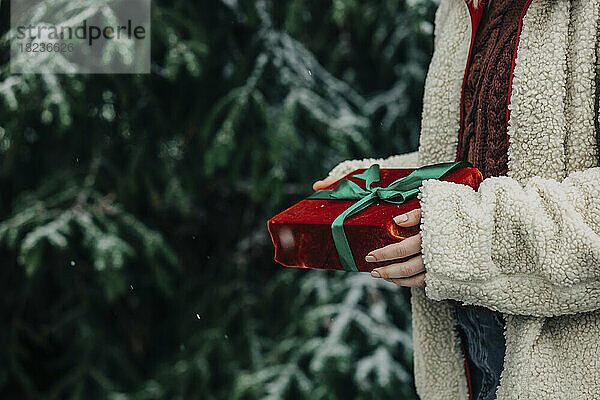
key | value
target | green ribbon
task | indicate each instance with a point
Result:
(397, 192)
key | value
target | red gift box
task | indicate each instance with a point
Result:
(302, 234)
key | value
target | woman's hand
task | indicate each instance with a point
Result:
(318, 185)
(407, 273)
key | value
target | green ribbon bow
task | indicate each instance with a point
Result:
(397, 192)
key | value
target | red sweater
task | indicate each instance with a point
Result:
(484, 141)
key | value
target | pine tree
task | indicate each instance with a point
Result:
(135, 258)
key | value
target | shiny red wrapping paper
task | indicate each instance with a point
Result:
(302, 233)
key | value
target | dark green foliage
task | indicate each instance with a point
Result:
(135, 258)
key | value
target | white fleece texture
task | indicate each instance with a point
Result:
(408, 160)
(530, 251)
(528, 244)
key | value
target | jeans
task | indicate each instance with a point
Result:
(482, 333)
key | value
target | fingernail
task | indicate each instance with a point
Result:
(370, 258)
(400, 218)
(375, 274)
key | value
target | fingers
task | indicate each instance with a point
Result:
(411, 218)
(405, 248)
(401, 270)
(322, 184)
(413, 281)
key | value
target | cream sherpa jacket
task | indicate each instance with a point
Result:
(527, 244)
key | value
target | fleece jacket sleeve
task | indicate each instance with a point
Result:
(527, 250)
(407, 160)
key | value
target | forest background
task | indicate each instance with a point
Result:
(135, 260)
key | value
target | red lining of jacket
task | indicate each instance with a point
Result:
(467, 370)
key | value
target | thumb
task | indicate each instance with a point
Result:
(318, 185)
